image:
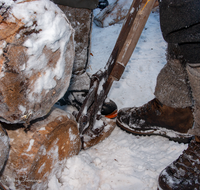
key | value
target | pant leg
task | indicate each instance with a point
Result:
(193, 70)
(172, 88)
(180, 24)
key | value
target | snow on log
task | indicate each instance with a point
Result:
(113, 13)
(36, 58)
(41, 152)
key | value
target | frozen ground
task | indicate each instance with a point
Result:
(124, 161)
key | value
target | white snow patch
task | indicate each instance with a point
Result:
(22, 109)
(42, 128)
(30, 145)
(2, 45)
(72, 136)
(41, 167)
(54, 184)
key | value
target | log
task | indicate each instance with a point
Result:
(81, 21)
(41, 151)
(36, 59)
(114, 13)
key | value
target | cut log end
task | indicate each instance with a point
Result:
(41, 152)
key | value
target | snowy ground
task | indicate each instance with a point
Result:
(124, 161)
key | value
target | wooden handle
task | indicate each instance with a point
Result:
(130, 34)
(135, 31)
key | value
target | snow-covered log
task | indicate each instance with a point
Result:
(36, 58)
(41, 152)
(113, 13)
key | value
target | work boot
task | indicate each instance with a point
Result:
(155, 118)
(183, 173)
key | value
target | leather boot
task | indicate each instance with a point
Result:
(154, 118)
(183, 173)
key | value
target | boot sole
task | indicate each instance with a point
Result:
(177, 137)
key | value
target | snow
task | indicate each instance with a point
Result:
(124, 161)
(30, 145)
(72, 136)
(22, 109)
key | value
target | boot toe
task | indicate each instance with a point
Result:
(183, 173)
(123, 116)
